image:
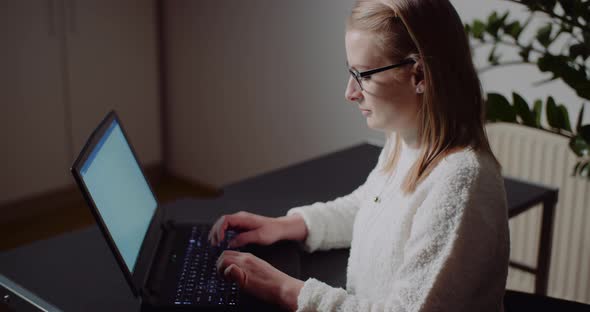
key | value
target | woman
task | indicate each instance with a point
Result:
(428, 230)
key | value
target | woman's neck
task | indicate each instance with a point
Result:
(409, 139)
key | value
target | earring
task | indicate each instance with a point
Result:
(419, 89)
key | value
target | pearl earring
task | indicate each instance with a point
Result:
(419, 90)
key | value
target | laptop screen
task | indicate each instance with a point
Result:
(120, 192)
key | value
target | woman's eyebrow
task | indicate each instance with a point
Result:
(357, 67)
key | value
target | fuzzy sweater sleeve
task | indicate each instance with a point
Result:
(449, 254)
(329, 224)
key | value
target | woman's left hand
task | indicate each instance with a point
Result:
(260, 279)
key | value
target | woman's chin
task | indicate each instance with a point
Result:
(373, 125)
(378, 127)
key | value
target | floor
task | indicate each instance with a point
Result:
(77, 216)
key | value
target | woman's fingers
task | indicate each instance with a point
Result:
(229, 264)
(234, 273)
(226, 258)
(245, 238)
(254, 275)
(242, 220)
(213, 233)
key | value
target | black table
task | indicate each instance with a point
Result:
(314, 181)
(521, 197)
(76, 271)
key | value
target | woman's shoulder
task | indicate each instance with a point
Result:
(470, 176)
(470, 166)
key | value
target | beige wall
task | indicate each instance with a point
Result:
(256, 85)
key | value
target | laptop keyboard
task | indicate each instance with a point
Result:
(199, 283)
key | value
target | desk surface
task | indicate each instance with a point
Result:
(76, 271)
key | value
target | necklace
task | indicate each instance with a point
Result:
(377, 198)
(379, 208)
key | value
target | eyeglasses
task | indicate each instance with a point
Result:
(364, 75)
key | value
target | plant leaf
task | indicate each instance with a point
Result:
(582, 89)
(549, 4)
(579, 146)
(582, 9)
(557, 115)
(478, 29)
(544, 35)
(552, 113)
(560, 66)
(538, 110)
(499, 109)
(522, 110)
(579, 49)
(525, 53)
(564, 117)
(585, 133)
(576, 167)
(493, 24)
(493, 58)
(568, 6)
(580, 116)
(467, 28)
(514, 30)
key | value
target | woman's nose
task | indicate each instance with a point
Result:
(353, 91)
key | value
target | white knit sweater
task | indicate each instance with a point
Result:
(443, 248)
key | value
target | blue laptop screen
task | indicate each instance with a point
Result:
(120, 192)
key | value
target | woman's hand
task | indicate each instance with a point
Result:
(260, 279)
(257, 229)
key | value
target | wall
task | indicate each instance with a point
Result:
(65, 65)
(256, 85)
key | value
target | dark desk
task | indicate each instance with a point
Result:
(521, 197)
(314, 181)
(76, 271)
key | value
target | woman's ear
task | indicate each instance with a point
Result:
(418, 77)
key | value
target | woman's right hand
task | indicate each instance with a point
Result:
(257, 229)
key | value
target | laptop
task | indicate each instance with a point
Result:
(14, 297)
(169, 265)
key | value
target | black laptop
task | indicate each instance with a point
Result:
(169, 265)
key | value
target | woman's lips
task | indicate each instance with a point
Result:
(365, 112)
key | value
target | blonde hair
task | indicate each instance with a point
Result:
(452, 114)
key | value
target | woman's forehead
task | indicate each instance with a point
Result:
(362, 50)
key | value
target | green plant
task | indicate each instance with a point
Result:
(569, 21)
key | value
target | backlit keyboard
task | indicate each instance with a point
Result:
(199, 282)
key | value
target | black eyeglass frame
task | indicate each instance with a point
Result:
(359, 75)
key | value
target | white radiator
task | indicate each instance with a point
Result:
(545, 158)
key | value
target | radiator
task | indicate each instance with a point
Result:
(545, 158)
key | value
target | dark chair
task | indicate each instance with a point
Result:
(516, 301)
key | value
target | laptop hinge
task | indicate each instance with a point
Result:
(155, 277)
(147, 292)
(168, 225)
(147, 296)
